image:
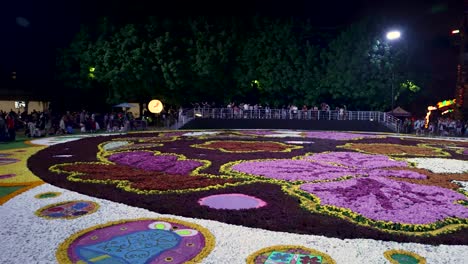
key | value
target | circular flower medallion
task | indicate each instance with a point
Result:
(232, 201)
(138, 241)
(47, 195)
(289, 254)
(68, 210)
(403, 257)
(246, 146)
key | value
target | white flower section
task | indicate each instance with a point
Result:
(463, 185)
(56, 140)
(114, 145)
(27, 238)
(49, 141)
(438, 165)
(201, 133)
(299, 142)
(284, 133)
(63, 156)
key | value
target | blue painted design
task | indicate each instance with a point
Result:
(280, 257)
(80, 205)
(134, 248)
(56, 215)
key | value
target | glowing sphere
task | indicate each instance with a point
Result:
(393, 35)
(155, 106)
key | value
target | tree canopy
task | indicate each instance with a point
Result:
(258, 60)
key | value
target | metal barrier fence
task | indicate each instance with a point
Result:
(229, 113)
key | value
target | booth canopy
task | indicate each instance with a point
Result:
(124, 105)
(399, 112)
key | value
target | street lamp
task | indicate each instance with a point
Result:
(393, 35)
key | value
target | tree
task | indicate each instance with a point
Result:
(360, 65)
(211, 52)
(271, 63)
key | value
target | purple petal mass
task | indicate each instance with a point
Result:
(148, 161)
(355, 159)
(292, 170)
(389, 200)
(327, 166)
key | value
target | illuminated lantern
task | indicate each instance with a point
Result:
(155, 106)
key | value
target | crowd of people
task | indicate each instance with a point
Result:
(292, 111)
(39, 124)
(45, 123)
(443, 126)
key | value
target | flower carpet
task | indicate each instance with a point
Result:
(235, 196)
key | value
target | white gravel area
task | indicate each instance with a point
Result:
(27, 238)
(438, 165)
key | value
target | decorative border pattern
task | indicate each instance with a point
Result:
(62, 254)
(55, 194)
(38, 211)
(251, 258)
(388, 255)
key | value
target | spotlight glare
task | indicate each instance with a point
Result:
(392, 35)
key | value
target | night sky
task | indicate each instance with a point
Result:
(29, 49)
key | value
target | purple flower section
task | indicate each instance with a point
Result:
(388, 200)
(148, 161)
(292, 170)
(396, 173)
(356, 159)
(327, 166)
(465, 151)
(232, 201)
(337, 135)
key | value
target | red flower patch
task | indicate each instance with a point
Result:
(140, 179)
(247, 146)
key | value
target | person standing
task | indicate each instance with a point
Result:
(10, 120)
(3, 129)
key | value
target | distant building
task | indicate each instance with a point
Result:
(16, 95)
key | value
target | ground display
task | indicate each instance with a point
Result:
(325, 189)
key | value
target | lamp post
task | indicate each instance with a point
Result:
(393, 35)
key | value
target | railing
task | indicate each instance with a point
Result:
(229, 113)
(183, 119)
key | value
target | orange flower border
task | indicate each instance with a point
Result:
(27, 186)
